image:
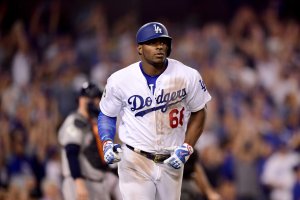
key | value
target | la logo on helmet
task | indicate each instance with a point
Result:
(157, 29)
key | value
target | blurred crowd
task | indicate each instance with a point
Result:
(251, 66)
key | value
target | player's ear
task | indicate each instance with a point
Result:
(139, 49)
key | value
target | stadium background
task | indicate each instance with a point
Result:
(247, 51)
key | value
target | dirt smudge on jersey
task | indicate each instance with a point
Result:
(163, 118)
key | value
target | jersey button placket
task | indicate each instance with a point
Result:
(157, 124)
(158, 115)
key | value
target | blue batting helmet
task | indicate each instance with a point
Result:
(153, 30)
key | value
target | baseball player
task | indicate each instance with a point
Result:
(85, 177)
(161, 107)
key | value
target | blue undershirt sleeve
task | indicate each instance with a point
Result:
(106, 127)
(72, 151)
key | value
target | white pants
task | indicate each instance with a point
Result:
(142, 179)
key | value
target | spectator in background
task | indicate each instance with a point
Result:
(4, 179)
(19, 165)
(278, 172)
(50, 190)
(296, 186)
(246, 151)
(53, 168)
(23, 168)
(23, 60)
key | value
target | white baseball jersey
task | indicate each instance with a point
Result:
(153, 120)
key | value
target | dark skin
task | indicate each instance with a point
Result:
(153, 54)
(195, 126)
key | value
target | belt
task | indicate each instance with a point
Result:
(157, 158)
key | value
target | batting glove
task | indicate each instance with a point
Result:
(111, 152)
(180, 156)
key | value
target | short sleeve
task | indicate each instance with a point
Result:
(70, 134)
(111, 101)
(198, 94)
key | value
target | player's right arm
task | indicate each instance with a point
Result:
(107, 130)
(110, 107)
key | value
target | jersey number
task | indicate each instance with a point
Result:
(176, 117)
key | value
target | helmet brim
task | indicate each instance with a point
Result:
(154, 37)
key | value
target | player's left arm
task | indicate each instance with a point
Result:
(197, 100)
(195, 126)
